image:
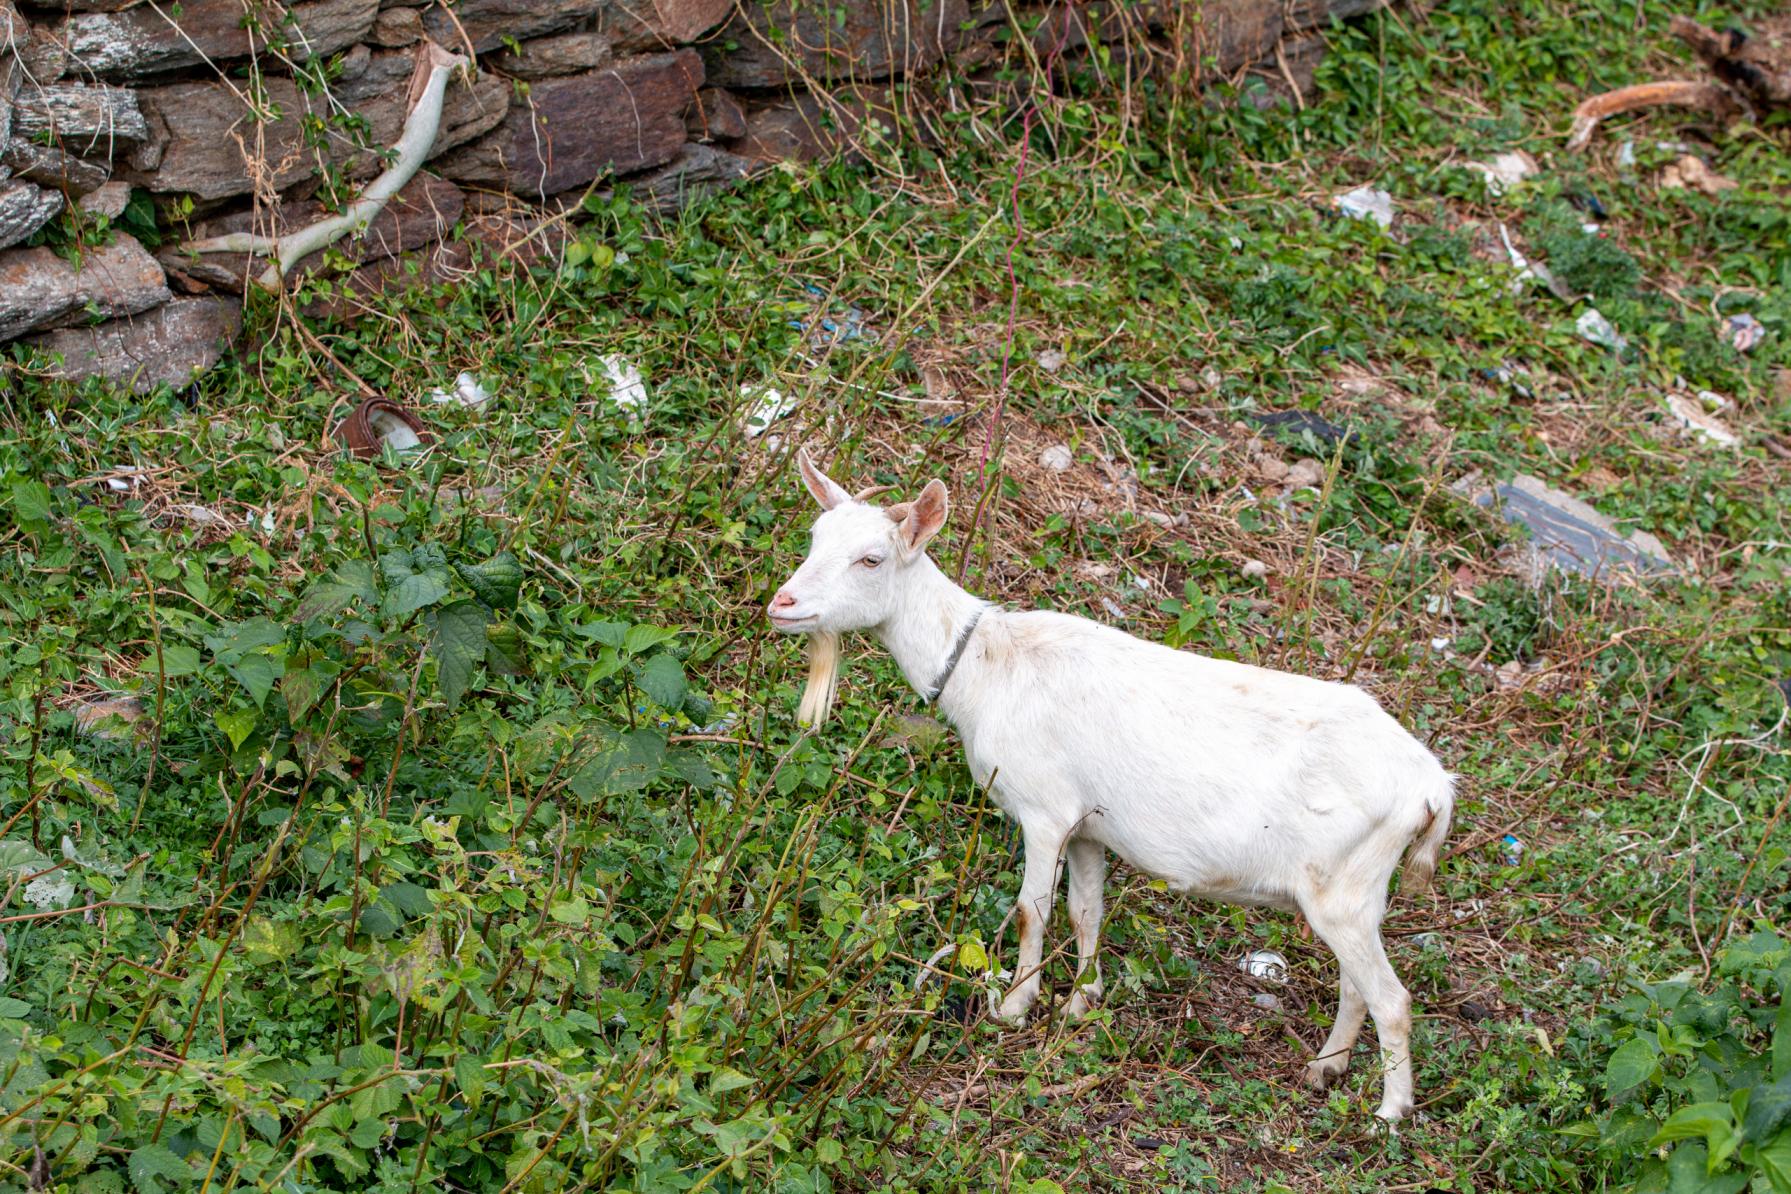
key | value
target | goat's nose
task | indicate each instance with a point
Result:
(782, 601)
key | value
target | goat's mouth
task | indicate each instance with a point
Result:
(793, 623)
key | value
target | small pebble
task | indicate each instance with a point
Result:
(1051, 360)
(1255, 569)
(1266, 1001)
(1057, 458)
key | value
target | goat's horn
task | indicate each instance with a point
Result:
(865, 495)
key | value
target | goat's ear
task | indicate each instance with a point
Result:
(819, 483)
(919, 520)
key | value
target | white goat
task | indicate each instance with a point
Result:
(1226, 780)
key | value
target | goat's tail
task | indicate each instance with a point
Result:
(1421, 863)
(823, 677)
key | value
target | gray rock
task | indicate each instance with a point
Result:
(855, 39)
(698, 170)
(78, 118)
(551, 57)
(167, 346)
(621, 119)
(396, 27)
(55, 169)
(109, 200)
(24, 208)
(716, 116)
(1567, 533)
(632, 27)
(191, 146)
(141, 42)
(41, 290)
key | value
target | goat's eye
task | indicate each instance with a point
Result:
(871, 561)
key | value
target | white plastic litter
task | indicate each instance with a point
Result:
(1367, 203)
(768, 406)
(393, 430)
(1051, 360)
(1594, 328)
(627, 390)
(1527, 271)
(1695, 420)
(467, 392)
(1265, 964)
(1504, 171)
(1743, 331)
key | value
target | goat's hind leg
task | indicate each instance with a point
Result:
(1333, 1057)
(1088, 877)
(1352, 929)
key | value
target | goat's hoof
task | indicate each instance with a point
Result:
(1012, 1012)
(1324, 1071)
(1391, 1113)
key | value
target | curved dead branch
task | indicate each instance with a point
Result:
(1709, 97)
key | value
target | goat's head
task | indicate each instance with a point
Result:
(857, 558)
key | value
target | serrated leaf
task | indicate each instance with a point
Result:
(504, 651)
(496, 582)
(31, 505)
(471, 1076)
(726, 1079)
(457, 642)
(237, 725)
(610, 634)
(571, 912)
(645, 638)
(662, 679)
(625, 762)
(419, 590)
(154, 1164)
(301, 687)
(972, 957)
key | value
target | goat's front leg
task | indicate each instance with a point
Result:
(1032, 912)
(1088, 876)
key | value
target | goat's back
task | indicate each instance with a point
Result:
(1221, 777)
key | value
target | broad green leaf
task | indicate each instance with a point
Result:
(178, 659)
(154, 1164)
(31, 505)
(691, 767)
(1632, 1063)
(726, 1079)
(1709, 1120)
(457, 641)
(610, 634)
(1774, 1160)
(417, 591)
(1768, 1109)
(237, 725)
(662, 679)
(643, 638)
(302, 687)
(571, 912)
(13, 1009)
(471, 1075)
(1781, 1029)
(496, 582)
(257, 673)
(972, 956)
(625, 762)
(504, 650)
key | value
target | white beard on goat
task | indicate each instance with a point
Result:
(1227, 781)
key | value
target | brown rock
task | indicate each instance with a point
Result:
(699, 170)
(857, 39)
(550, 57)
(24, 208)
(39, 289)
(92, 121)
(716, 116)
(1235, 33)
(55, 169)
(109, 200)
(396, 27)
(488, 22)
(424, 211)
(200, 135)
(808, 127)
(166, 346)
(1310, 14)
(662, 24)
(140, 42)
(566, 132)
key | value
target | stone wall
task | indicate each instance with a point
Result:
(246, 115)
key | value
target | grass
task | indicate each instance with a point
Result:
(460, 835)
